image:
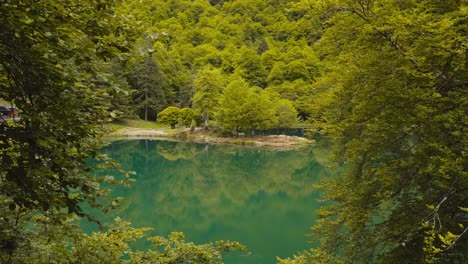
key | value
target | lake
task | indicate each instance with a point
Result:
(260, 197)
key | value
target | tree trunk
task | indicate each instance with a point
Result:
(206, 118)
(146, 104)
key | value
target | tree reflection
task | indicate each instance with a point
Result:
(263, 198)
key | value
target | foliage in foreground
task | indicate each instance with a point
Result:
(57, 239)
(395, 97)
(55, 65)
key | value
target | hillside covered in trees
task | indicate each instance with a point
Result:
(386, 80)
(245, 64)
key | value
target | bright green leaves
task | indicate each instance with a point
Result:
(57, 239)
(391, 94)
(437, 240)
(174, 249)
(286, 114)
(250, 67)
(186, 116)
(266, 44)
(207, 87)
(232, 105)
(169, 116)
(248, 108)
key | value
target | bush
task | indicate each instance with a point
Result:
(186, 116)
(170, 116)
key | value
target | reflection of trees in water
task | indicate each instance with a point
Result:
(174, 151)
(185, 186)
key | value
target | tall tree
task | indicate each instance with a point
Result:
(207, 86)
(186, 117)
(150, 93)
(55, 67)
(395, 95)
(121, 96)
(286, 114)
(250, 67)
(232, 105)
(259, 111)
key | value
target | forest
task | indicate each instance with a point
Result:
(385, 80)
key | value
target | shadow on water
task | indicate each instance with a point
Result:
(262, 198)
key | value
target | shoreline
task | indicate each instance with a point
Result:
(202, 136)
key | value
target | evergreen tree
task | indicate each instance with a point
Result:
(150, 95)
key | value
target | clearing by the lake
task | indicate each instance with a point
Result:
(202, 136)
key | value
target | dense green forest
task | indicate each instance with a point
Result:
(386, 80)
(222, 59)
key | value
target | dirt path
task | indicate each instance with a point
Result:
(139, 132)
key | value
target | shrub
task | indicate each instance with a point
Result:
(170, 116)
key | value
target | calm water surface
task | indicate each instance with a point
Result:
(262, 198)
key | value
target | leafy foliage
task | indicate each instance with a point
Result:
(245, 108)
(286, 114)
(207, 87)
(186, 116)
(267, 44)
(63, 242)
(170, 116)
(386, 78)
(394, 95)
(54, 66)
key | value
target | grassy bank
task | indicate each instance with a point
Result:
(131, 128)
(135, 123)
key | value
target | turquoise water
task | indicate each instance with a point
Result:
(262, 198)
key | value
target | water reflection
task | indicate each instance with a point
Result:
(262, 198)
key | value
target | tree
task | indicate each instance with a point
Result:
(55, 66)
(286, 114)
(151, 95)
(186, 116)
(207, 86)
(232, 105)
(245, 108)
(170, 116)
(121, 96)
(176, 78)
(250, 67)
(64, 242)
(276, 75)
(299, 92)
(259, 111)
(56, 71)
(394, 95)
